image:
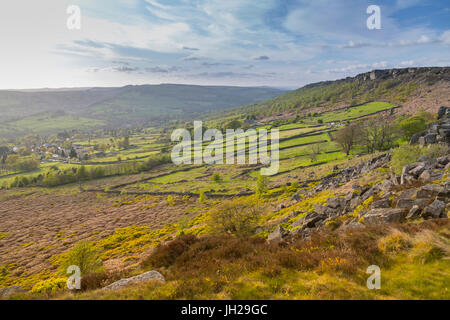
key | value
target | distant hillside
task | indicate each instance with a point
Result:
(116, 106)
(412, 88)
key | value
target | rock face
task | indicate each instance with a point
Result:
(11, 291)
(148, 276)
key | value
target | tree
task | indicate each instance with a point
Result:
(237, 217)
(377, 134)
(235, 124)
(315, 150)
(216, 177)
(411, 126)
(346, 137)
(73, 153)
(261, 185)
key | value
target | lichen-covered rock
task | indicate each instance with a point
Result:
(148, 276)
(277, 234)
(382, 216)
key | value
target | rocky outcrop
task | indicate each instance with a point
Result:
(148, 276)
(437, 132)
(395, 200)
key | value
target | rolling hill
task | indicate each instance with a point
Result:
(412, 88)
(47, 111)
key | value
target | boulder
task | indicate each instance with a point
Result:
(409, 203)
(429, 191)
(383, 203)
(148, 276)
(434, 210)
(11, 291)
(426, 176)
(382, 216)
(333, 203)
(417, 171)
(442, 112)
(277, 234)
(325, 211)
(414, 212)
(415, 139)
(443, 160)
(311, 220)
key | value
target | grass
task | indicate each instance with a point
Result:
(329, 266)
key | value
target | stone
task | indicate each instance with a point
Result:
(310, 221)
(409, 203)
(415, 139)
(325, 211)
(443, 160)
(11, 291)
(434, 210)
(442, 112)
(430, 138)
(414, 212)
(426, 176)
(429, 190)
(417, 171)
(382, 216)
(296, 197)
(333, 203)
(147, 276)
(383, 203)
(355, 202)
(277, 234)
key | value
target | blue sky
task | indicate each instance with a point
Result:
(286, 43)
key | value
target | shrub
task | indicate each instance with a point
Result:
(49, 286)
(404, 155)
(394, 242)
(216, 177)
(85, 256)
(435, 151)
(237, 217)
(411, 126)
(261, 185)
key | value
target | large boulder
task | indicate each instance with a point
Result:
(434, 210)
(409, 203)
(148, 276)
(383, 203)
(382, 216)
(429, 191)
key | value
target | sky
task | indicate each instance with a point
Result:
(277, 43)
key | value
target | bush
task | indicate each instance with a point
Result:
(394, 242)
(435, 151)
(261, 185)
(85, 256)
(404, 155)
(236, 217)
(49, 286)
(407, 154)
(216, 177)
(411, 126)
